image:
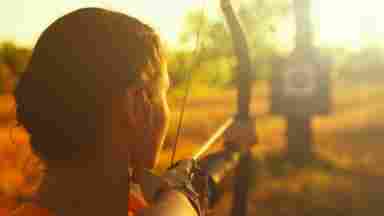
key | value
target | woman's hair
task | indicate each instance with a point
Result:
(78, 63)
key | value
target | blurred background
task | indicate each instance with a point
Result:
(345, 178)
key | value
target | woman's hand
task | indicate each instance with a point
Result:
(241, 134)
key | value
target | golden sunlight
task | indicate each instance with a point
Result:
(23, 20)
(346, 23)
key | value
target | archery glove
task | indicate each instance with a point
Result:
(186, 177)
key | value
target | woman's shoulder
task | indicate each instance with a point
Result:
(26, 210)
(136, 202)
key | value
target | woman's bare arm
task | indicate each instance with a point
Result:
(171, 203)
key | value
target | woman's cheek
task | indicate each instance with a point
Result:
(160, 128)
(164, 117)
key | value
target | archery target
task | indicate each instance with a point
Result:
(299, 80)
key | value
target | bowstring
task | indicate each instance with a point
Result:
(188, 78)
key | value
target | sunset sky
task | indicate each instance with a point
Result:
(337, 22)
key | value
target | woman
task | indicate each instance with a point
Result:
(94, 101)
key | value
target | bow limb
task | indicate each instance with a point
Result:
(241, 50)
(240, 46)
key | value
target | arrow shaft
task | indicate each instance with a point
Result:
(219, 132)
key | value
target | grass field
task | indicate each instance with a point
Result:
(345, 180)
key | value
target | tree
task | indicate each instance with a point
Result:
(13, 61)
(258, 18)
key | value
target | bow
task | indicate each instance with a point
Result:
(242, 116)
(244, 87)
(244, 69)
(243, 81)
(217, 164)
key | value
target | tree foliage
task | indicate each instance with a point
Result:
(215, 51)
(16, 58)
(13, 61)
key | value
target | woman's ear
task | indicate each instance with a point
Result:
(137, 107)
(139, 114)
(134, 106)
(129, 104)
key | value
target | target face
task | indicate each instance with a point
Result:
(300, 85)
(299, 80)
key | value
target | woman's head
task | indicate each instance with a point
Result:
(89, 73)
